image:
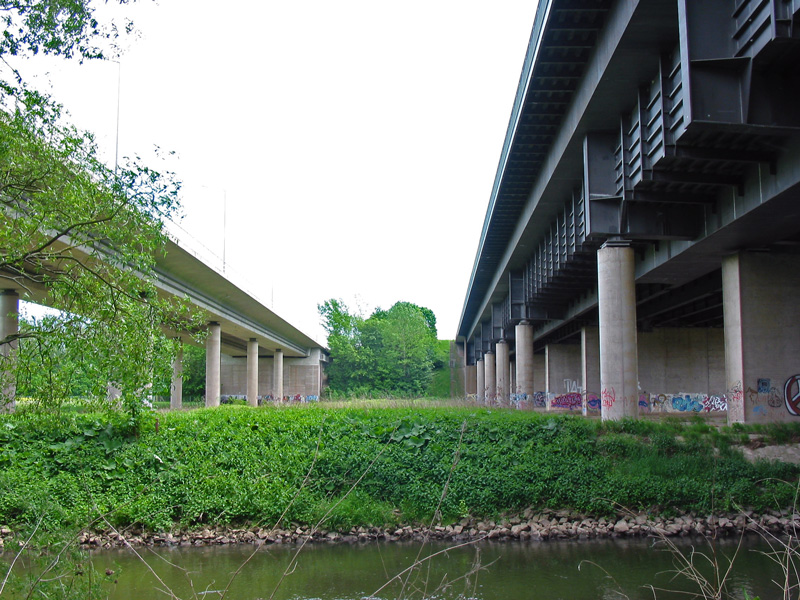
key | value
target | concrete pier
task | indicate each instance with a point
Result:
(491, 377)
(9, 326)
(590, 363)
(213, 361)
(524, 334)
(480, 380)
(252, 372)
(277, 377)
(176, 387)
(503, 372)
(616, 300)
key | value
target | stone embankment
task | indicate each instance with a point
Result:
(530, 526)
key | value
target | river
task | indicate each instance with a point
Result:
(551, 570)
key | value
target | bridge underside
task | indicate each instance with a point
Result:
(643, 234)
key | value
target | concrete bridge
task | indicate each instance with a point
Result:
(250, 351)
(641, 248)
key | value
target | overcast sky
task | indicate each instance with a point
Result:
(327, 149)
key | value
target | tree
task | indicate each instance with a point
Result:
(392, 352)
(347, 368)
(69, 224)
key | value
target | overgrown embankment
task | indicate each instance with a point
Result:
(352, 467)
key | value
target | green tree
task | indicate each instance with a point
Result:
(391, 352)
(86, 234)
(347, 371)
(194, 371)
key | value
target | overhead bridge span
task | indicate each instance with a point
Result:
(641, 247)
(251, 352)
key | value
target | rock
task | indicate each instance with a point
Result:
(621, 526)
(519, 528)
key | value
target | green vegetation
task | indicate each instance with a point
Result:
(240, 465)
(75, 226)
(392, 353)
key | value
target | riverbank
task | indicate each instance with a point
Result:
(531, 526)
(373, 472)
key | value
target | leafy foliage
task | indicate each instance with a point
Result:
(65, 28)
(85, 234)
(240, 465)
(392, 352)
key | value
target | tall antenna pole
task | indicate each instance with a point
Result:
(116, 141)
(224, 227)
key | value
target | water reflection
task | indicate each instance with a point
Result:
(609, 569)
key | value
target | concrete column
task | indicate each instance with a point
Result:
(590, 366)
(762, 336)
(213, 361)
(9, 325)
(176, 388)
(524, 334)
(512, 377)
(616, 301)
(491, 377)
(277, 375)
(470, 376)
(501, 363)
(252, 372)
(480, 380)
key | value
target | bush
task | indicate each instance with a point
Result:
(240, 465)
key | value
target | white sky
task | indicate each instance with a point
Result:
(327, 149)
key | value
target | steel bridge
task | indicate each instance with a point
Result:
(648, 190)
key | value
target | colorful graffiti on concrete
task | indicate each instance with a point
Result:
(682, 402)
(296, 398)
(570, 401)
(791, 395)
(592, 402)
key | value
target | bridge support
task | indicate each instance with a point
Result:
(762, 336)
(277, 375)
(252, 372)
(524, 352)
(616, 300)
(9, 325)
(480, 380)
(590, 366)
(176, 387)
(213, 361)
(503, 372)
(490, 383)
(512, 377)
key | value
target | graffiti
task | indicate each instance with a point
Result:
(592, 401)
(683, 402)
(608, 398)
(763, 386)
(519, 400)
(736, 394)
(715, 403)
(658, 402)
(791, 394)
(760, 410)
(775, 399)
(686, 404)
(540, 400)
(572, 387)
(569, 401)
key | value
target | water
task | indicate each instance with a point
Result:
(551, 570)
